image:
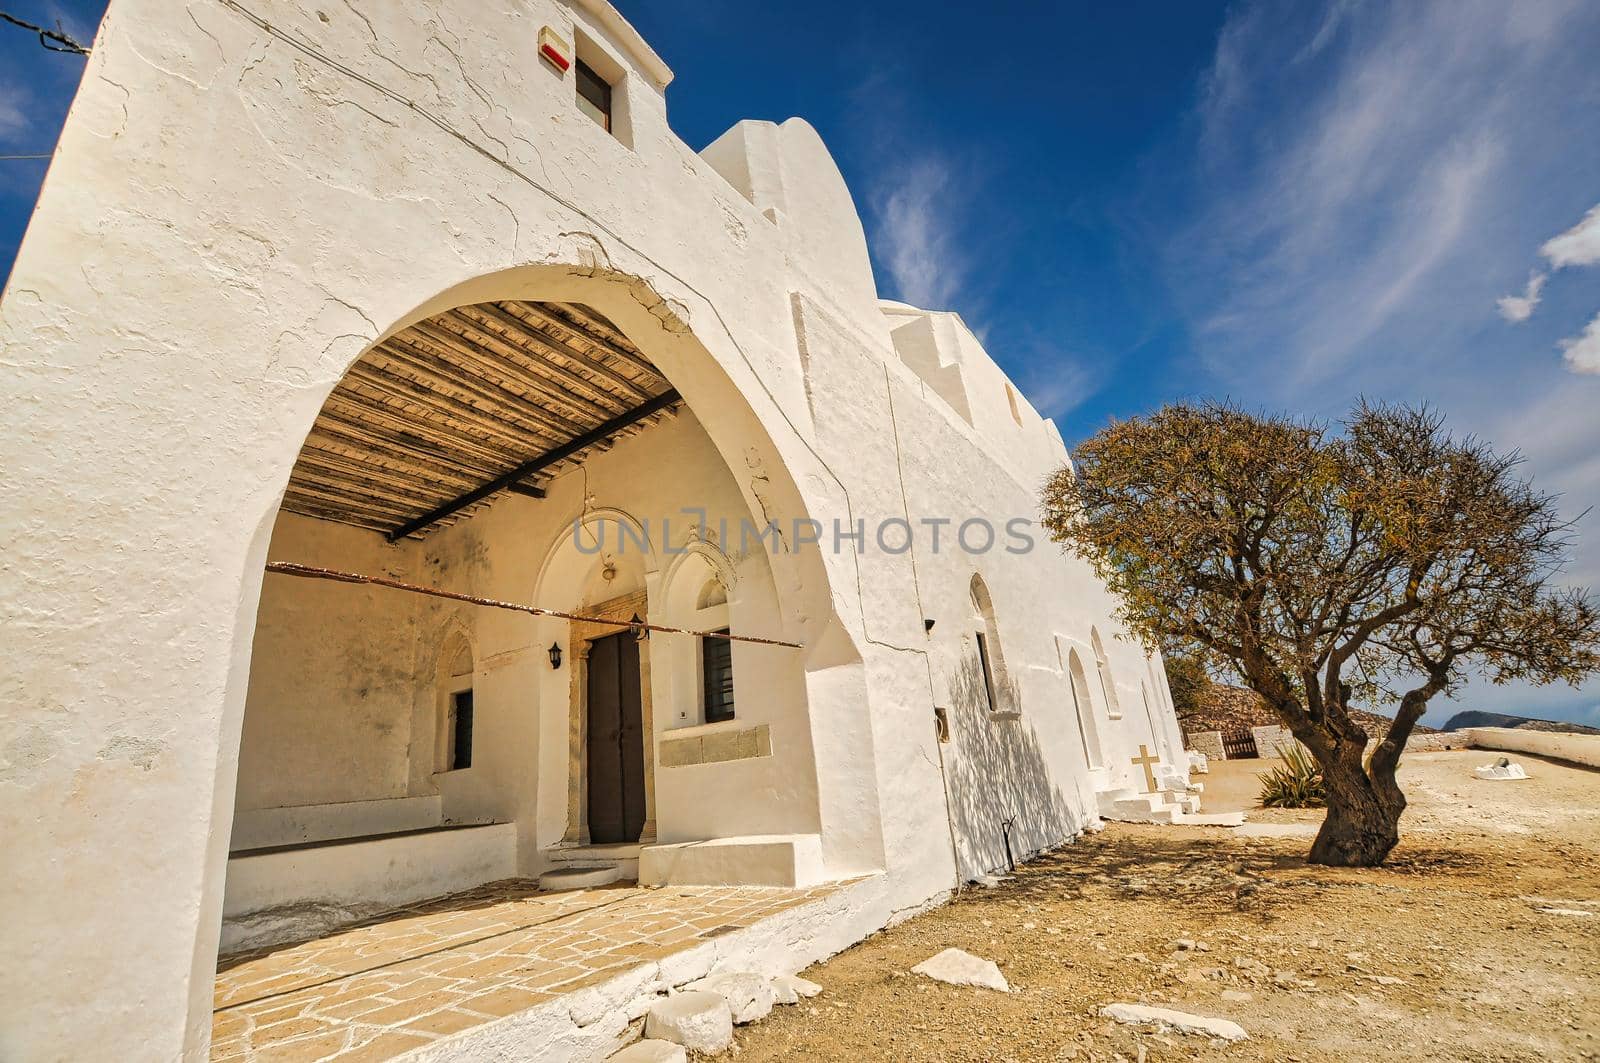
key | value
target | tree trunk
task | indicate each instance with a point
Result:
(1363, 822)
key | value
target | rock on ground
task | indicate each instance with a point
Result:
(1502, 770)
(1182, 1021)
(749, 996)
(962, 968)
(790, 988)
(650, 1052)
(700, 1022)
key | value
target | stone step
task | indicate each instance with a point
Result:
(580, 878)
(594, 854)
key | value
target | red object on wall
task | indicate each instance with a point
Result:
(549, 52)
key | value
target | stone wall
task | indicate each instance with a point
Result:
(1209, 743)
(1271, 741)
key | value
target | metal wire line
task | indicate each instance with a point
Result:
(55, 40)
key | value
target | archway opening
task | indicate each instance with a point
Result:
(397, 746)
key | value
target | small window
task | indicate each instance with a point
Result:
(988, 670)
(461, 730)
(716, 658)
(594, 95)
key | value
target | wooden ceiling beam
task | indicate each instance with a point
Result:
(404, 424)
(462, 346)
(553, 345)
(517, 407)
(327, 438)
(412, 493)
(538, 464)
(408, 390)
(594, 335)
(534, 353)
(420, 448)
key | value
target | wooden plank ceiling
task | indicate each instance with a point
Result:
(451, 404)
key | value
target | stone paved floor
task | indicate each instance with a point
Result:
(392, 984)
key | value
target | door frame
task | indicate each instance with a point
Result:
(581, 635)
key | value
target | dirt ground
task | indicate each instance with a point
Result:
(1479, 940)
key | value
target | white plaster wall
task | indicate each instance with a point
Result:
(1576, 748)
(297, 824)
(349, 875)
(333, 671)
(230, 219)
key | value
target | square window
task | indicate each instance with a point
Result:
(594, 95)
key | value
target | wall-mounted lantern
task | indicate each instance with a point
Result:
(555, 655)
(640, 632)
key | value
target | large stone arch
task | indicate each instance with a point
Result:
(732, 421)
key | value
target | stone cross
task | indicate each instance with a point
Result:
(1144, 760)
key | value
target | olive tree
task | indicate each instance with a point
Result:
(1381, 559)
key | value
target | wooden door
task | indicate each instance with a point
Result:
(616, 740)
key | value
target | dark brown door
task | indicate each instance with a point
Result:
(616, 740)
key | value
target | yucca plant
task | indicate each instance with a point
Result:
(1296, 783)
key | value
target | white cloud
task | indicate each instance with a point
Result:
(1578, 246)
(1582, 352)
(915, 238)
(1518, 308)
(1329, 222)
(1341, 210)
(13, 117)
(1056, 386)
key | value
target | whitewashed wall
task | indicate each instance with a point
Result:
(230, 220)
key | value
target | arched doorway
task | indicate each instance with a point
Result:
(455, 453)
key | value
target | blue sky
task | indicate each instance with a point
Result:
(1288, 204)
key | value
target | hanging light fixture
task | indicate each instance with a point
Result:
(555, 655)
(636, 625)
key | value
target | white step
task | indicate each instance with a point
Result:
(1138, 810)
(1209, 819)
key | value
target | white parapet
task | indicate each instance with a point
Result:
(1575, 748)
(751, 860)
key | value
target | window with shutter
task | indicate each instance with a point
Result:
(716, 656)
(594, 95)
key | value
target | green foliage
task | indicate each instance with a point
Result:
(1381, 560)
(1296, 783)
(1189, 683)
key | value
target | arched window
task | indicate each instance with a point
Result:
(699, 670)
(1088, 730)
(716, 654)
(1158, 734)
(1108, 684)
(991, 662)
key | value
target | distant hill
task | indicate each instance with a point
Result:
(1474, 718)
(1230, 708)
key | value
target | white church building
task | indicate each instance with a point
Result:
(423, 469)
